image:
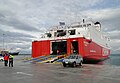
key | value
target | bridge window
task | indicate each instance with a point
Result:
(80, 25)
(84, 25)
(88, 25)
(48, 34)
(72, 32)
(61, 33)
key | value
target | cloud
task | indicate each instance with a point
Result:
(114, 34)
(15, 23)
(115, 48)
(25, 20)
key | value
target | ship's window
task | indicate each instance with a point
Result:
(73, 26)
(60, 33)
(59, 30)
(43, 37)
(80, 25)
(55, 34)
(68, 27)
(48, 34)
(88, 25)
(77, 26)
(84, 25)
(72, 32)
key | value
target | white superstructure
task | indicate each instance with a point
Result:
(86, 29)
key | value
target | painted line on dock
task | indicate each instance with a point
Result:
(22, 73)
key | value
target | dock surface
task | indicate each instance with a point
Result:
(26, 72)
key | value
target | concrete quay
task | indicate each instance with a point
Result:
(26, 72)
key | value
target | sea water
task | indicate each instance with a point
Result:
(114, 59)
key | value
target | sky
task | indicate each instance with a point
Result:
(22, 21)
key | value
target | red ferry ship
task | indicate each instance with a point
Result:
(85, 38)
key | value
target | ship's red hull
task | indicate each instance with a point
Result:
(95, 52)
(85, 47)
(95, 58)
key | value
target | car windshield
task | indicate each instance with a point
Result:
(72, 57)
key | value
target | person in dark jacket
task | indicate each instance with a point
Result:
(6, 59)
(11, 60)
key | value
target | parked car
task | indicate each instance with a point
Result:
(73, 60)
(1, 58)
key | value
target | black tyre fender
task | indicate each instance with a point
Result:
(1, 59)
(74, 64)
(64, 64)
(80, 63)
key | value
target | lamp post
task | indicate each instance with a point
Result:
(3, 41)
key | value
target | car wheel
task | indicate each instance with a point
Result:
(80, 63)
(64, 64)
(74, 64)
(1, 59)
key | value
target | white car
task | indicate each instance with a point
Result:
(73, 60)
(1, 58)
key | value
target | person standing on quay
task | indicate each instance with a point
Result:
(11, 60)
(6, 59)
